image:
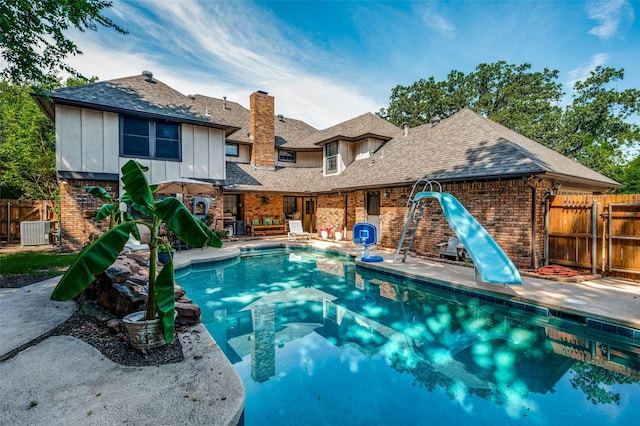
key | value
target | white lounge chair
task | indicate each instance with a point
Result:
(134, 245)
(295, 230)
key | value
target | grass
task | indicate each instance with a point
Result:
(32, 266)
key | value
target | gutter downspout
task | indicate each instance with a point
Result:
(534, 199)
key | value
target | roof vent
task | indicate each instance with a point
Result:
(148, 76)
(435, 120)
(224, 102)
(405, 127)
(281, 117)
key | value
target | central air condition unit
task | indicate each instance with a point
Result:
(34, 233)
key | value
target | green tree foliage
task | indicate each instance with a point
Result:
(593, 380)
(27, 144)
(33, 40)
(593, 129)
(27, 147)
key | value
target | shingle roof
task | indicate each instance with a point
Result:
(355, 129)
(465, 146)
(243, 177)
(137, 94)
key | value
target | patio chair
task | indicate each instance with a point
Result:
(295, 230)
(134, 245)
(452, 248)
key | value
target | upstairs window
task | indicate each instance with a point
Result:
(144, 138)
(286, 156)
(331, 157)
(232, 149)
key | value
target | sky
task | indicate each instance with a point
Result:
(326, 62)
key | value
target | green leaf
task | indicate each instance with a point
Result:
(94, 259)
(185, 225)
(105, 211)
(165, 300)
(99, 193)
(137, 186)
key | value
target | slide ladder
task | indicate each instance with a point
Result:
(413, 212)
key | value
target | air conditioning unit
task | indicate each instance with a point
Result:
(34, 233)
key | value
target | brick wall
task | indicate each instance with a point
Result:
(256, 206)
(77, 210)
(262, 130)
(503, 208)
(332, 213)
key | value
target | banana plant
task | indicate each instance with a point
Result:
(111, 208)
(99, 255)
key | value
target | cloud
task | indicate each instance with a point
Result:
(437, 21)
(581, 73)
(610, 15)
(224, 49)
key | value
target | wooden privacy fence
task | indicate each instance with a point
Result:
(13, 212)
(596, 232)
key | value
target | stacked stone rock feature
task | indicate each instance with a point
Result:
(122, 289)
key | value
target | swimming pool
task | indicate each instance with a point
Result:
(317, 340)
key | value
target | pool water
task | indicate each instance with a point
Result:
(318, 341)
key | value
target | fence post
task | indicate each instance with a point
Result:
(594, 236)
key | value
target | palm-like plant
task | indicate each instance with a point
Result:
(99, 255)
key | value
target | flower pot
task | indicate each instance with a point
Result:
(163, 257)
(143, 334)
(324, 234)
(338, 236)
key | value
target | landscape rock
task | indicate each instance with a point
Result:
(188, 313)
(123, 288)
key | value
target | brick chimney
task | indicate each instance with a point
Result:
(262, 130)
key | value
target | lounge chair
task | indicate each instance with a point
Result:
(295, 230)
(452, 248)
(134, 245)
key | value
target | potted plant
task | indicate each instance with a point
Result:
(165, 253)
(324, 231)
(338, 233)
(99, 255)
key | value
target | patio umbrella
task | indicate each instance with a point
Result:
(184, 186)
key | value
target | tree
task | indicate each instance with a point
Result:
(33, 40)
(27, 144)
(594, 381)
(27, 147)
(593, 130)
(508, 94)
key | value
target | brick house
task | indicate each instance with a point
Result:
(263, 165)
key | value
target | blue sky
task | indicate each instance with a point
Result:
(328, 61)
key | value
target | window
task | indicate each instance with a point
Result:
(331, 155)
(286, 156)
(140, 137)
(289, 204)
(230, 204)
(232, 149)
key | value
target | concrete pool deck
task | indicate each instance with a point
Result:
(62, 380)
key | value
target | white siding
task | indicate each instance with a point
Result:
(68, 138)
(93, 141)
(89, 141)
(216, 168)
(244, 155)
(200, 152)
(111, 139)
(304, 159)
(186, 167)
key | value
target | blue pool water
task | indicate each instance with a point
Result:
(318, 341)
